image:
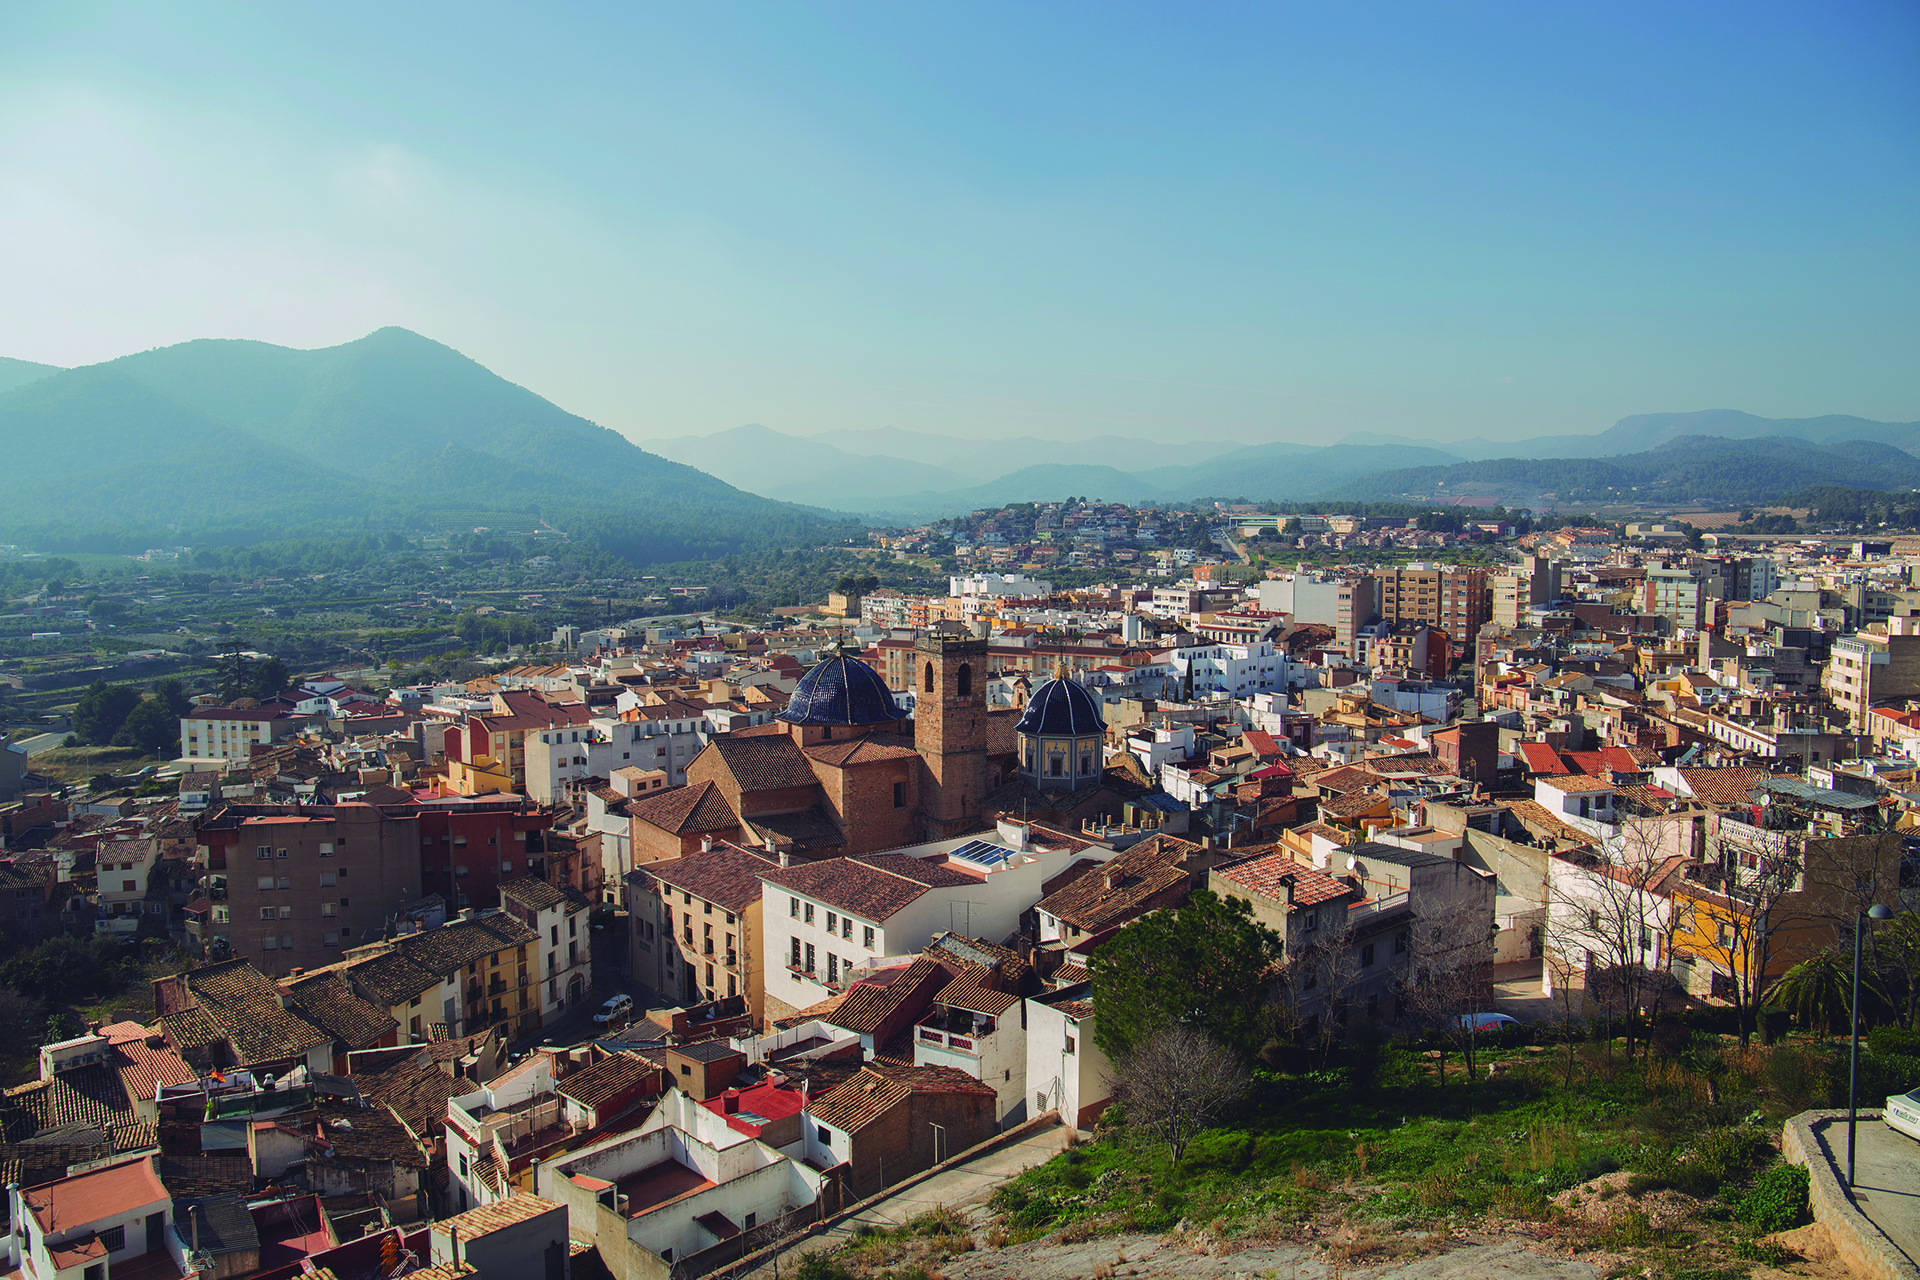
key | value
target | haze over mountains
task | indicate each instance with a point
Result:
(235, 440)
(239, 441)
(911, 476)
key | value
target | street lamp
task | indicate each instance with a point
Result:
(1874, 912)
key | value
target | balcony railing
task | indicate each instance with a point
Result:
(965, 1044)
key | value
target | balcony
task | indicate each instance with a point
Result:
(957, 1029)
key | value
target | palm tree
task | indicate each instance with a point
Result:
(1819, 993)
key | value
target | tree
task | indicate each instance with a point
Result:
(268, 679)
(1451, 984)
(1321, 978)
(151, 727)
(1819, 992)
(1176, 1082)
(235, 669)
(1205, 964)
(1898, 948)
(172, 696)
(101, 711)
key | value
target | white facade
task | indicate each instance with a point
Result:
(829, 942)
(1238, 670)
(1065, 1069)
(136, 1219)
(490, 1120)
(993, 1051)
(754, 1184)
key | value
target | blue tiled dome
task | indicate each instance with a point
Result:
(841, 690)
(1061, 708)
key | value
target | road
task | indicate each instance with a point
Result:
(1886, 1182)
(44, 742)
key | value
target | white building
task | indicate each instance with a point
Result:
(686, 1182)
(485, 1127)
(1066, 1071)
(823, 921)
(84, 1226)
(1238, 670)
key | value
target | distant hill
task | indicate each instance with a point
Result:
(1688, 469)
(18, 373)
(803, 469)
(250, 440)
(1645, 431)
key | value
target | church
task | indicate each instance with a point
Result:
(844, 771)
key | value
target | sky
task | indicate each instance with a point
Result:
(1255, 222)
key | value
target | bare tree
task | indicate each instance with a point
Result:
(1450, 983)
(1177, 1083)
(1321, 977)
(1611, 907)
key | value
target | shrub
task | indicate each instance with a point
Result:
(1778, 1201)
(1881, 1076)
(1902, 1041)
(823, 1266)
(1670, 1039)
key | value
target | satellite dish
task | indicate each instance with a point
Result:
(1353, 864)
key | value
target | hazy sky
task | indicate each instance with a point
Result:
(1175, 220)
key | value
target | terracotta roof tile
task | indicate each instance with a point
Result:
(1272, 875)
(873, 886)
(330, 1004)
(606, 1079)
(696, 807)
(1124, 886)
(727, 875)
(770, 763)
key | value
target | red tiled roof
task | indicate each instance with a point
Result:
(1124, 886)
(1271, 875)
(726, 874)
(874, 886)
(91, 1197)
(697, 807)
(1541, 758)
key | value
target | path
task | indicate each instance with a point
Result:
(1886, 1180)
(965, 1184)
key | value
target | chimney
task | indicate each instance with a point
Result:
(730, 1102)
(453, 1243)
(295, 972)
(786, 859)
(706, 844)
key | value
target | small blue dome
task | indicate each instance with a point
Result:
(1061, 708)
(841, 690)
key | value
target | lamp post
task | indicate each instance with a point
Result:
(1874, 912)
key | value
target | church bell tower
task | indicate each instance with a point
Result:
(950, 731)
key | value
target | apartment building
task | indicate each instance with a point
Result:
(1873, 667)
(300, 884)
(1458, 599)
(710, 910)
(1682, 596)
(559, 920)
(231, 733)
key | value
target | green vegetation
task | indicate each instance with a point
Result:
(1204, 965)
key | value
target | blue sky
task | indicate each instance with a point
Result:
(1175, 221)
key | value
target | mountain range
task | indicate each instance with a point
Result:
(226, 440)
(242, 441)
(1654, 457)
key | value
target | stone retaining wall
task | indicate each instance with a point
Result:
(1862, 1246)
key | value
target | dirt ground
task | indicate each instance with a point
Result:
(1157, 1256)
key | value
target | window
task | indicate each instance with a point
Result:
(809, 964)
(899, 795)
(808, 913)
(826, 1134)
(331, 938)
(1311, 921)
(1366, 955)
(846, 926)
(286, 942)
(749, 1222)
(796, 953)
(326, 849)
(867, 936)
(459, 842)
(115, 1239)
(793, 907)
(553, 935)
(329, 909)
(729, 917)
(833, 923)
(833, 967)
(1400, 943)
(963, 681)
(266, 882)
(269, 943)
(264, 852)
(266, 913)
(279, 853)
(1070, 1045)
(286, 913)
(927, 680)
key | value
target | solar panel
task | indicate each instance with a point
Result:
(980, 853)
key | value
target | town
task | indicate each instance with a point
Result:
(651, 947)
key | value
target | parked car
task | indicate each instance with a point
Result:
(1487, 1021)
(616, 1009)
(1903, 1113)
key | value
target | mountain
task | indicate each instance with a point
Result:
(1645, 431)
(989, 459)
(1688, 469)
(18, 373)
(392, 430)
(801, 469)
(1274, 471)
